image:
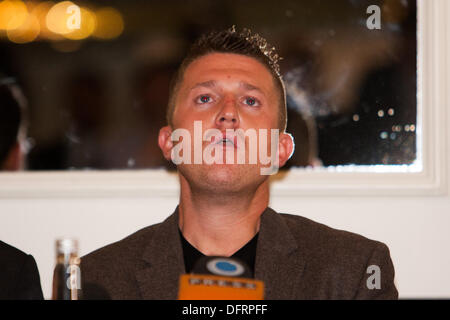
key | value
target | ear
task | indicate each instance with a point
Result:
(165, 142)
(13, 161)
(286, 148)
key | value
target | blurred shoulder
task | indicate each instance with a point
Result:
(7, 250)
(340, 264)
(321, 238)
(127, 249)
(11, 257)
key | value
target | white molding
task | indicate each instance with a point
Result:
(428, 178)
(89, 184)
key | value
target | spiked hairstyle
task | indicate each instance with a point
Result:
(230, 41)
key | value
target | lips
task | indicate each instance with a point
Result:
(226, 140)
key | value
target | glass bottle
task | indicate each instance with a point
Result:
(67, 275)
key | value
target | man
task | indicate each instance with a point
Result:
(229, 81)
(19, 275)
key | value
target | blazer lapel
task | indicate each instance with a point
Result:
(158, 275)
(279, 260)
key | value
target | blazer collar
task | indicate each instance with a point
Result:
(279, 261)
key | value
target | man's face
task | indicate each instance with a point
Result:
(226, 91)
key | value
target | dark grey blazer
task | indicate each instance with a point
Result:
(296, 258)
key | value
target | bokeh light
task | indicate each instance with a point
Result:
(57, 17)
(87, 26)
(26, 32)
(12, 14)
(26, 21)
(109, 23)
(40, 12)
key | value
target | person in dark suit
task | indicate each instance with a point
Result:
(231, 80)
(19, 275)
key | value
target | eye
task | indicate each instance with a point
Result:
(203, 99)
(251, 101)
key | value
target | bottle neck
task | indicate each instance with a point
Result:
(67, 259)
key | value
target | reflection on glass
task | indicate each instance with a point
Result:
(97, 95)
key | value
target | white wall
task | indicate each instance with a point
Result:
(415, 229)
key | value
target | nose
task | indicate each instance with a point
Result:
(228, 116)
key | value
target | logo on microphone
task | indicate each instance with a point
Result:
(220, 278)
(225, 267)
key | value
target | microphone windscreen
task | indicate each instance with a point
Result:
(220, 278)
(222, 266)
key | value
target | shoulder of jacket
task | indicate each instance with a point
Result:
(11, 254)
(322, 238)
(128, 247)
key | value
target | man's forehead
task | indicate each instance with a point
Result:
(249, 73)
(218, 60)
(214, 84)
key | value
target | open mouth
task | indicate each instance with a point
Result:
(227, 142)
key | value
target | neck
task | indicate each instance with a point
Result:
(220, 224)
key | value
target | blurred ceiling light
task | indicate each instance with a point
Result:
(109, 23)
(86, 28)
(24, 22)
(40, 11)
(57, 18)
(27, 32)
(12, 14)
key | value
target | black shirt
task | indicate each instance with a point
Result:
(247, 254)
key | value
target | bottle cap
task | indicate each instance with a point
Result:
(66, 246)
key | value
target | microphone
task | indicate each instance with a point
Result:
(220, 278)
